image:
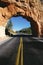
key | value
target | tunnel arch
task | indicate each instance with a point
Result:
(32, 23)
(28, 14)
(31, 13)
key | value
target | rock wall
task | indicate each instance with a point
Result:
(2, 31)
(32, 10)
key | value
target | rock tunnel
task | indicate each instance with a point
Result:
(28, 9)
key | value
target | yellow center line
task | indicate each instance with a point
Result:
(22, 53)
(20, 49)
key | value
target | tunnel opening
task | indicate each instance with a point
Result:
(18, 26)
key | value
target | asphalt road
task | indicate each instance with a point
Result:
(8, 51)
(32, 51)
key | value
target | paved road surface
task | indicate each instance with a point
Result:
(8, 51)
(32, 51)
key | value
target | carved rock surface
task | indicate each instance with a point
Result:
(32, 10)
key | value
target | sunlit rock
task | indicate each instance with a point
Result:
(32, 10)
(2, 31)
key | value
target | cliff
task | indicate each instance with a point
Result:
(32, 10)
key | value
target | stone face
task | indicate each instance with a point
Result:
(32, 10)
(2, 31)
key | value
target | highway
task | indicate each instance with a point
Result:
(33, 51)
(31, 54)
(8, 51)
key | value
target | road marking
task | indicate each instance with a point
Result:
(20, 49)
(22, 52)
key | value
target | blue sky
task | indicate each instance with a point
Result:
(19, 23)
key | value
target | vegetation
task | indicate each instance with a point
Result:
(9, 30)
(9, 25)
(26, 30)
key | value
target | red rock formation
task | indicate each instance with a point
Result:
(32, 10)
